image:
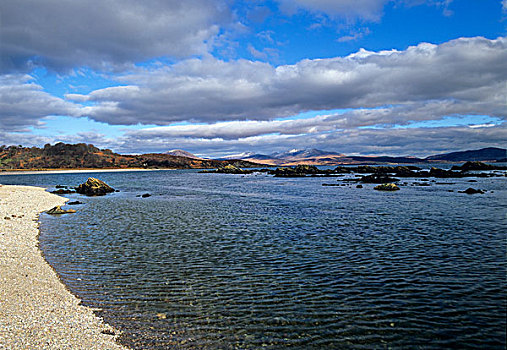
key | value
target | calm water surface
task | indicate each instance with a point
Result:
(227, 261)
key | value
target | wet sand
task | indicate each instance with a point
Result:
(36, 309)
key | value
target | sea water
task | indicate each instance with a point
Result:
(223, 261)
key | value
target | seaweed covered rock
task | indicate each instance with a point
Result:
(94, 187)
(387, 187)
(58, 210)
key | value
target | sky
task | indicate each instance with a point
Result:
(221, 77)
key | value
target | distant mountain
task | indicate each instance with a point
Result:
(83, 156)
(484, 154)
(181, 153)
(309, 156)
(314, 156)
(303, 154)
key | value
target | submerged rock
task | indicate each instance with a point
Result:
(74, 203)
(58, 210)
(387, 187)
(146, 195)
(63, 191)
(94, 187)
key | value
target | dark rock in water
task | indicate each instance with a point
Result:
(228, 169)
(404, 171)
(387, 187)
(330, 184)
(442, 173)
(472, 180)
(74, 203)
(378, 179)
(342, 170)
(474, 166)
(60, 186)
(359, 186)
(146, 195)
(298, 171)
(471, 190)
(63, 191)
(94, 187)
(58, 210)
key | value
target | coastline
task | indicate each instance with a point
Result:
(37, 311)
(70, 171)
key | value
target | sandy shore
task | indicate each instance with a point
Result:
(36, 309)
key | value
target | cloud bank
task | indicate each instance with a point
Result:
(105, 34)
(463, 76)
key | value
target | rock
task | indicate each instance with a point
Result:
(60, 186)
(228, 169)
(359, 186)
(94, 187)
(146, 195)
(58, 210)
(378, 179)
(63, 191)
(301, 170)
(404, 171)
(471, 190)
(108, 332)
(330, 184)
(476, 166)
(442, 173)
(7, 218)
(387, 187)
(74, 203)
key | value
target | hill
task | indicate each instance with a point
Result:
(181, 153)
(83, 156)
(484, 154)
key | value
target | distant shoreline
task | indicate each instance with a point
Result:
(70, 171)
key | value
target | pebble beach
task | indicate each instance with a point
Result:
(36, 309)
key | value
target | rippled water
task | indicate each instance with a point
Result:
(225, 261)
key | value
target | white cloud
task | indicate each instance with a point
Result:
(23, 103)
(463, 76)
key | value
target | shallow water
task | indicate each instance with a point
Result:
(227, 261)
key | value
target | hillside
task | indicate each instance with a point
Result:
(83, 156)
(484, 154)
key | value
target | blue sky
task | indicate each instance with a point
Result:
(218, 77)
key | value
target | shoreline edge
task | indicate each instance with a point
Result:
(37, 311)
